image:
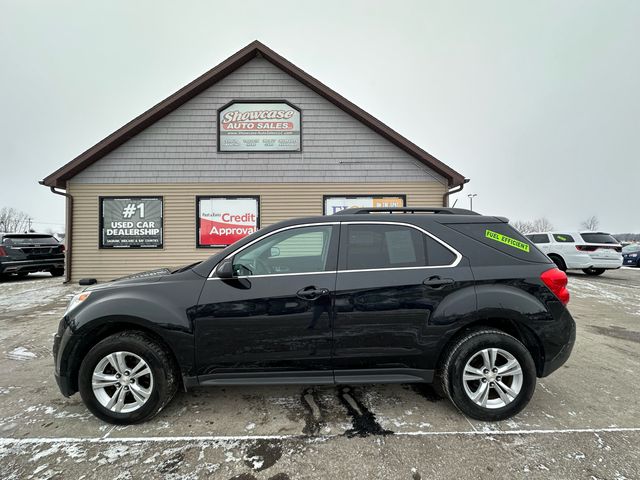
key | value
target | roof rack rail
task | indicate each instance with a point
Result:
(435, 210)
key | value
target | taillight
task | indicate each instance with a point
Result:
(556, 280)
(586, 248)
(3, 252)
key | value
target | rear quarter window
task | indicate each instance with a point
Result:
(504, 238)
(563, 238)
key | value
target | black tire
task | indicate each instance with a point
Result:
(559, 262)
(593, 271)
(161, 364)
(57, 272)
(455, 358)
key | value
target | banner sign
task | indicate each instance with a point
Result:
(259, 127)
(127, 222)
(225, 220)
(335, 204)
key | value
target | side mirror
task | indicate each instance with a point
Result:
(225, 269)
(274, 252)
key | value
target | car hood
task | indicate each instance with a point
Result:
(149, 276)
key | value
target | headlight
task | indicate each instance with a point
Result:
(77, 300)
(633, 254)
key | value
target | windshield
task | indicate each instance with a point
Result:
(29, 240)
(631, 248)
(598, 238)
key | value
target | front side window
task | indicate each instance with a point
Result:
(297, 250)
(392, 246)
(539, 238)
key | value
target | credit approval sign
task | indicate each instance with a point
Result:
(225, 220)
(259, 127)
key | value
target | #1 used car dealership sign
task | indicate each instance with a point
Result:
(130, 222)
(259, 127)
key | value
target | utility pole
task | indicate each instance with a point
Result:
(471, 195)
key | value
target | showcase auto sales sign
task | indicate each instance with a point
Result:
(259, 127)
(223, 221)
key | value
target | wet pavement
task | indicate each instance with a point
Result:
(583, 421)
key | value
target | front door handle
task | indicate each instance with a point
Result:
(437, 282)
(312, 293)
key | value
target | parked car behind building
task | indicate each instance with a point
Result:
(591, 252)
(24, 253)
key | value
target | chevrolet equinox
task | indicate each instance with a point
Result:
(403, 295)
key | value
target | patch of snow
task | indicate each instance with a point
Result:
(21, 353)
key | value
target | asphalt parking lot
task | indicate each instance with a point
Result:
(583, 421)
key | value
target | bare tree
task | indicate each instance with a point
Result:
(12, 220)
(591, 223)
(523, 227)
(542, 224)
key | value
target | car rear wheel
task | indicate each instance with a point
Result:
(559, 262)
(57, 272)
(127, 378)
(593, 271)
(488, 375)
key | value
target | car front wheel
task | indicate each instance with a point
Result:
(488, 375)
(127, 378)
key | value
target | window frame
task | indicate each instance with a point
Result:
(332, 255)
(343, 246)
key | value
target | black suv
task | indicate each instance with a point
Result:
(367, 296)
(24, 253)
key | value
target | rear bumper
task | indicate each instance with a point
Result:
(17, 266)
(558, 343)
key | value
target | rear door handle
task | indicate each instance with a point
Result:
(437, 282)
(312, 293)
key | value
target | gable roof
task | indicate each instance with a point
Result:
(59, 177)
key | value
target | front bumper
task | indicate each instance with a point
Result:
(631, 261)
(17, 266)
(61, 347)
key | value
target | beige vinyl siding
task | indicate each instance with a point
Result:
(278, 201)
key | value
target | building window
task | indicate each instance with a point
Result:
(225, 220)
(131, 222)
(334, 203)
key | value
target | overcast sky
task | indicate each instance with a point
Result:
(538, 103)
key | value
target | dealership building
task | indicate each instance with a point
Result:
(251, 142)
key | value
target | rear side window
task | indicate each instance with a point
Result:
(563, 238)
(539, 238)
(598, 238)
(392, 246)
(30, 240)
(504, 238)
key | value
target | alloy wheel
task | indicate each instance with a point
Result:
(492, 378)
(122, 382)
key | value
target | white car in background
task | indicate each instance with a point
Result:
(591, 252)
